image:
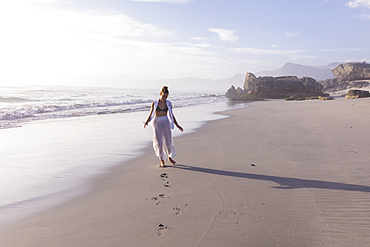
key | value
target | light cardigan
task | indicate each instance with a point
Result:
(169, 106)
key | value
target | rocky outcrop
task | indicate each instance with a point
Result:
(250, 81)
(335, 84)
(352, 71)
(232, 93)
(353, 94)
(240, 94)
(348, 75)
(257, 88)
(282, 87)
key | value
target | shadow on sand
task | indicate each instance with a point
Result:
(284, 182)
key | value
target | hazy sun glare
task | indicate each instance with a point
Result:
(46, 41)
(40, 44)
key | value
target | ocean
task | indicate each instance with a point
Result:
(25, 104)
(55, 139)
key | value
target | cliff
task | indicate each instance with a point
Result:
(352, 71)
(348, 75)
(276, 87)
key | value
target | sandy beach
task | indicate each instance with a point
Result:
(276, 173)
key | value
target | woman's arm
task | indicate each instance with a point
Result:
(150, 114)
(177, 125)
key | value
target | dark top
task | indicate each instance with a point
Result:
(160, 109)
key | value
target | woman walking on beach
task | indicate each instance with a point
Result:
(163, 122)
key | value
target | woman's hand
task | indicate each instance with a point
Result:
(145, 124)
(180, 128)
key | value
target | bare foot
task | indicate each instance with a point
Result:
(162, 164)
(172, 161)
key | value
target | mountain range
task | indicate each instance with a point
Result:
(221, 85)
(199, 85)
(316, 72)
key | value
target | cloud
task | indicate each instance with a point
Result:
(358, 3)
(291, 35)
(254, 51)
(345, 49)
(69, 22)
(77, 43)
(292, 54)
(114, 24)
(46, 1)
(200, 45)
(224, 35)
(156, 60)
(198, 38)
(257, 62)
(163, 1)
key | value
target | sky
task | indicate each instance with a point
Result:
(43, 41)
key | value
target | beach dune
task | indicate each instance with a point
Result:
(275, 173)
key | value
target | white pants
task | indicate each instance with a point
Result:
(162, 138)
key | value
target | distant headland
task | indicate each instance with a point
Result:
(347, 76)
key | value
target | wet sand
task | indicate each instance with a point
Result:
(276, 173)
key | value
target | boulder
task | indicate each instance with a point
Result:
(348, 75)
(282, 87)
(352, 71)
(354, 94)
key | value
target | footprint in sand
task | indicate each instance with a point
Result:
(163, 176)
(178, 210)
(160, 196)
(154, 198)
(162, 228)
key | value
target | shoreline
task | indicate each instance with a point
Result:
(48, 162)
(277, 172)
